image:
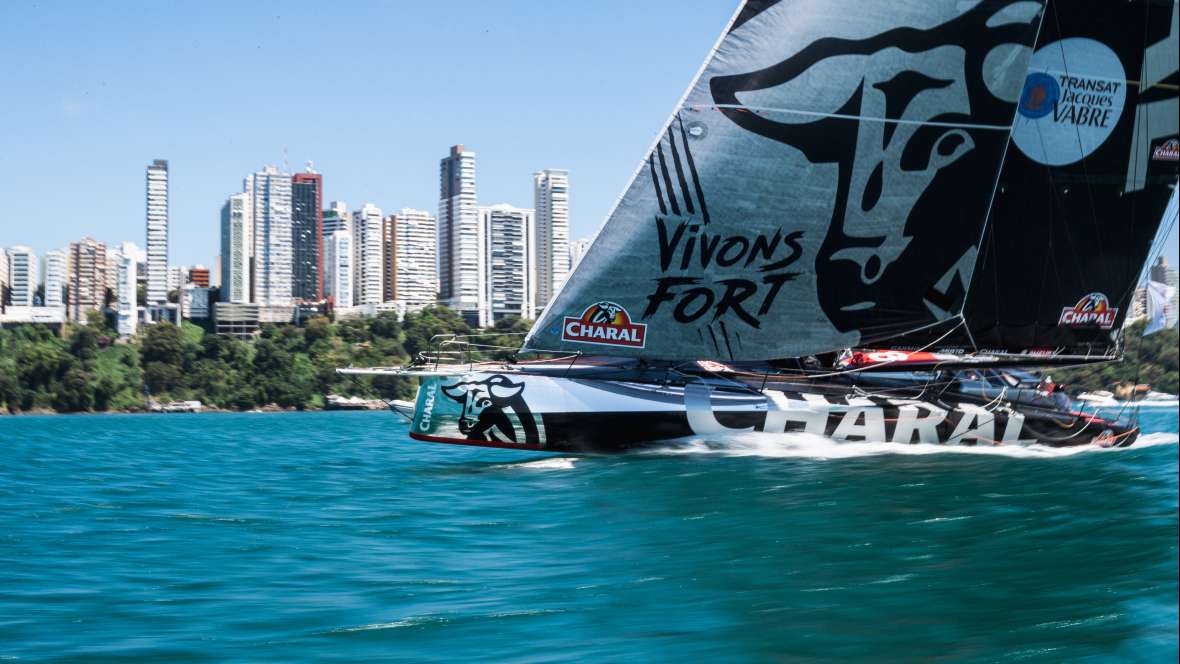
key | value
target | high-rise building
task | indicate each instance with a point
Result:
(177, 276)
(237, 250)
(126, 300)
(338, 261)
(388, 259)
(415, 264)
(368, 263)
(1167, 275)
(22, 276)
(578, 249)
(551, 198)
(198, 275)
(57, 279)
(215, 272)
(307, 228)
(157, 232)
(336, 218)
(461, 242)
(3, 279)
(269, 191)
(87, 278)
(511, 260)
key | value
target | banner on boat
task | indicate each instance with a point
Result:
(489, 409)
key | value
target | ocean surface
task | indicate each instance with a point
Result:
(333, 537)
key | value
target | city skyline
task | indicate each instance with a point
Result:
(97, 111)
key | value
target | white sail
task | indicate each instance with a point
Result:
(824, 182)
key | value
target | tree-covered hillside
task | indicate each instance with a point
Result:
(1149, 360)
(292, 367)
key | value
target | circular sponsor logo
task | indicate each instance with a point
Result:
(1072, 100)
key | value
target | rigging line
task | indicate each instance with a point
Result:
(865, 118)
(991, 201)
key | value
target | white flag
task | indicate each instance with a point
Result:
(1158, 297)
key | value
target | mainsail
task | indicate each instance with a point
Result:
(823, 184)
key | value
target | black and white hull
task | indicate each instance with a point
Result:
(561, 414)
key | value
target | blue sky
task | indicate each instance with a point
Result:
(373, 93)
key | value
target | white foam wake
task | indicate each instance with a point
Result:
(552, 463)
(809, 446)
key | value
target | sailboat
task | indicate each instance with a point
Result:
(866, 221)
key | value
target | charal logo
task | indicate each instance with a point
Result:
(487, 404)
(1169, 150)
(604, 323)
(1093, 310)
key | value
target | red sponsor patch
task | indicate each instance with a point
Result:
(604, 323)
(1093, 310)
(1169, 150)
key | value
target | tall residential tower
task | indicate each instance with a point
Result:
(307, 231)
(269, 191)
(157, 232)
(551, 198)
(237, 249)
(461, 241)
(415, 264)
(511, 260)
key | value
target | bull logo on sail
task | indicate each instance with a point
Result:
(915, 112)
(607, 324)
(1093, 310)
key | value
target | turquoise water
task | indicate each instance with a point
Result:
(332, 537)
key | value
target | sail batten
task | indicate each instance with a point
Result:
(823, 183)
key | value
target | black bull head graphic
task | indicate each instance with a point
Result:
(931, 145)
(605, 313)
(485, 405)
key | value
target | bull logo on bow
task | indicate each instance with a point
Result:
(487, 406)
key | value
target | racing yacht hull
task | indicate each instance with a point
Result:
(559, 414)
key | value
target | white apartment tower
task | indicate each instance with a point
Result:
(3, 276)
(511, 260)
(157, 232)
(57, 275)
(416, 261)
(368, 256)
(237, 245)
(126, 305)
(578, 249)
(22, 275)
(338, 261)
(551, 198)
(461, 241)
(269, 191)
